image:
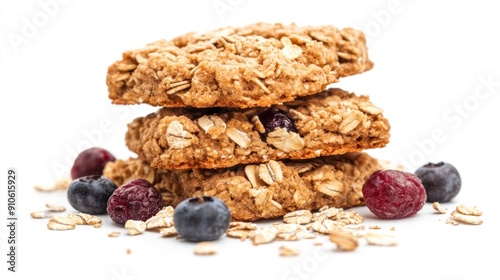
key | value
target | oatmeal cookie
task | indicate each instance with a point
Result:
(256, 65)
(328, 123)
(261, 191)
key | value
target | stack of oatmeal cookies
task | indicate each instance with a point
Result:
(247, 115)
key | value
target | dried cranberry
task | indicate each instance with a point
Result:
(275, 118)
(90, 162)
(393, 194)
(137, 199)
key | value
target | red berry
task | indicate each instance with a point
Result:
(137, 199)
(393, 194)
(90, 162)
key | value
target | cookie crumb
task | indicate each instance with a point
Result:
(129, 251)
(439, 208)
(114, 234)
(375, 227)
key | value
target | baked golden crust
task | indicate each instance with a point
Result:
(328, 123)
(256, 65)
(262, 191)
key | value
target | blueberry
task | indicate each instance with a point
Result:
(90, 162)
(441, 181)
(137, 199)
(90, 194)
(274, 118)
(201, 218)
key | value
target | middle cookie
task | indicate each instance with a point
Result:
(331, 122)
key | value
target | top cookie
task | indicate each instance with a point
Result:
(253, 66)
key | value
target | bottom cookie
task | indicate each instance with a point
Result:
(262, 191)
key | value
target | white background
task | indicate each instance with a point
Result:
(431, 63)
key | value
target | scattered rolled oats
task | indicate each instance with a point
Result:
(285, 228)
(61, 184)
(55, 208)
(241, 230)
(58, 226)
(439, 208)
(355, 230)
(242, 226)
(294, 235)
(380, 239)
(38, 215)
(326, 213)
(85, 219)
(325, 226)
(466, 219)
(135, 227)
(339, 215)
(240, 233)
(168, 232)
(69, 219)
(345, 241)
(300, 217)
(263, 236)
(286, 251)
(159, 222)
(205, 248)
(468, 210)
